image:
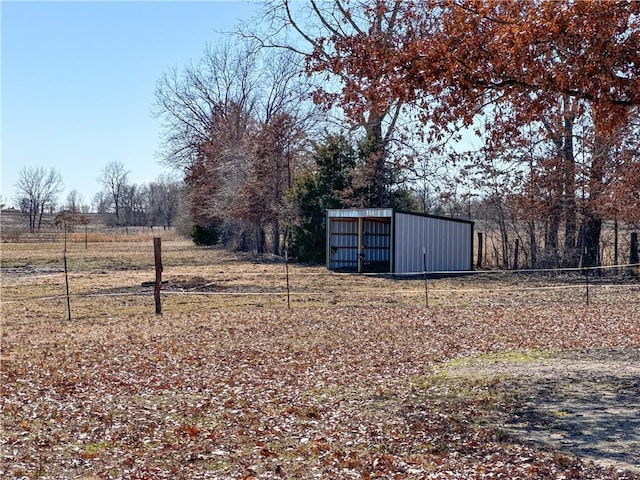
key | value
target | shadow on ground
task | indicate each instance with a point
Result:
(585, 403)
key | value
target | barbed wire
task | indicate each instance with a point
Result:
(445, 273)
(488, 290)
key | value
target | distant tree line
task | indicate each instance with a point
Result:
(157, 203)
(121, 203)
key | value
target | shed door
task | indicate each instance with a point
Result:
(376, 245)
(344, 244)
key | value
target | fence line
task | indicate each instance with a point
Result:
(351, 291)
(578, 281)
(447, 273)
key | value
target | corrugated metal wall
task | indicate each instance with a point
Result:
(447, 243)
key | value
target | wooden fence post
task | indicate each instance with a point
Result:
(479, 262)
(157, 255)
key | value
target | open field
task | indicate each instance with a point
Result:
(358, 379)
(200, 279)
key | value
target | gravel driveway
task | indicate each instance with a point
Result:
(586, 403)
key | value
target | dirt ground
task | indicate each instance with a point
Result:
(585, 403)
(523, 355)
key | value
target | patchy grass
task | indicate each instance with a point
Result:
(511, 357)
(343, 385)
(202, 279)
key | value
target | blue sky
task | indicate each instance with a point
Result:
(78, 82)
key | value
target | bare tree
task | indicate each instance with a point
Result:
(114, 179)
(135, 204)
(164, 200)
(74, 201)
(213, 114)
(192, 103)
(101, 202)
(38, 190)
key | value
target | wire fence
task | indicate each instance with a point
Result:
(303, 287)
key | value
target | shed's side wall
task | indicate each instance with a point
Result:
(447, 243)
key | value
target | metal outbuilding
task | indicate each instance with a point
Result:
(384, 240)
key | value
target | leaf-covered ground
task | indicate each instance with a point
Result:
(335, 392)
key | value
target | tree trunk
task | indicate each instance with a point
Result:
(551, 242)
(591, 241)
(40, 215)
(571, 256)
(243, 244)
(32, 217)
(633, 251)
(505, 243)
(375, 165)
(480, 246)
(533, 245)
(260, 240)
(117, 211)
(592, 227)
(615, 242)
(276, 238)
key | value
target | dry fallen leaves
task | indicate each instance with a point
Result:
(303, 393)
